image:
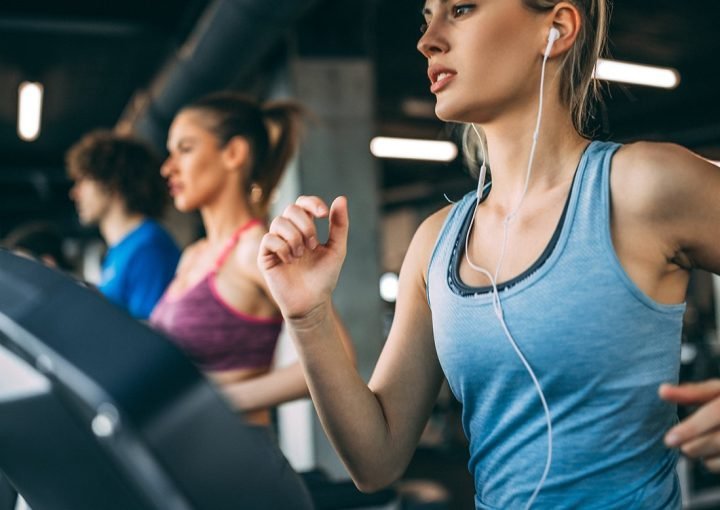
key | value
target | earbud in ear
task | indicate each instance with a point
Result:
(553, 36)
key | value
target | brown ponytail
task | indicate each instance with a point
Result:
(283, 121)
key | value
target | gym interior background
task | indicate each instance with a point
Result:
(129, 65)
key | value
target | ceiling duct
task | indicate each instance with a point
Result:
(228, 43)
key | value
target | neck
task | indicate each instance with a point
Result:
(223, 216)
(510, 140)
(118, 223)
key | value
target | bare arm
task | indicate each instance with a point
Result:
(676, 194)
(375, 428)
(697, 209)
(683, 195)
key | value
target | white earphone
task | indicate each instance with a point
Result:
(553, 36)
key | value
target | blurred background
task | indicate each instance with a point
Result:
(130, 65)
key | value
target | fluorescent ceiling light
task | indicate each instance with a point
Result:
(637, 74)
(405, 148)
(30, 97)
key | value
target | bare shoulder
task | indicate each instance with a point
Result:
(424, 240)
(655, 159)
(651, 178)
(433, 223)
(244, 257)
(671, 193)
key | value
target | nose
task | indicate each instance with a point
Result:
(432, 41)
(73, 191)
(167, 167)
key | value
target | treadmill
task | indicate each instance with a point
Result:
(100, 412)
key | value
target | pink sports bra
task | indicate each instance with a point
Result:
(213, 334)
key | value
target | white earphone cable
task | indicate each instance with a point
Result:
(497, 305)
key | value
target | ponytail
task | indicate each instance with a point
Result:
(283, 124)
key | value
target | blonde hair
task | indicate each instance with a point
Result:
(578, 90)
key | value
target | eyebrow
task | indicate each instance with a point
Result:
(180, 142)
(426, 10)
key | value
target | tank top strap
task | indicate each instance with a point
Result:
(591, 215)
(232, 242)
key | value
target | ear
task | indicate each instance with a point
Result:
(566, 18)
(236, 153)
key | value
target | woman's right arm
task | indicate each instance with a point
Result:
(374, 428)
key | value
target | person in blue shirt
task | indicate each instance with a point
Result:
(118, 187)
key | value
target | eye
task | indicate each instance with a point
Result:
(423, 28)
(461, 10)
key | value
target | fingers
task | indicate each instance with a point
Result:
(286, 230)
(296, 228)
(339, 224)
(691, 393)
(302, 222)
(699, 435)
(312, 205)
(273, 251)
(293, 232)
(712, 464)
(704, 420)
(707, 446)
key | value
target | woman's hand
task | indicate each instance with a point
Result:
(698, 436)
(300, 272)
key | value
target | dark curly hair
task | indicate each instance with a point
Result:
(122, 165)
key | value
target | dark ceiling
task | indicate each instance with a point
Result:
(93, 58)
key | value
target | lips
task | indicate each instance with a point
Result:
(174, 188)
(440, 77)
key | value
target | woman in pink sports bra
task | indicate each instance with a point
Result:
(226, 155)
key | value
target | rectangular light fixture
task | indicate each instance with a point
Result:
(406, 148)
(30, 96)
(636, 74)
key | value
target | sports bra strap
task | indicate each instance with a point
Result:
(232, 242)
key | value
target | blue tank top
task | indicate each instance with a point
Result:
(599, 346)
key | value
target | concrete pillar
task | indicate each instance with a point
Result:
(335, 160)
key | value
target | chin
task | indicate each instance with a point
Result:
(462, 112)
(182, 205)
(442, 116)
(450, 113)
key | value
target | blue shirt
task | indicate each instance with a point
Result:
(599, 346)
(137, 269)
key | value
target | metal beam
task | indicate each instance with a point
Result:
(227, 44)
(72, 26)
